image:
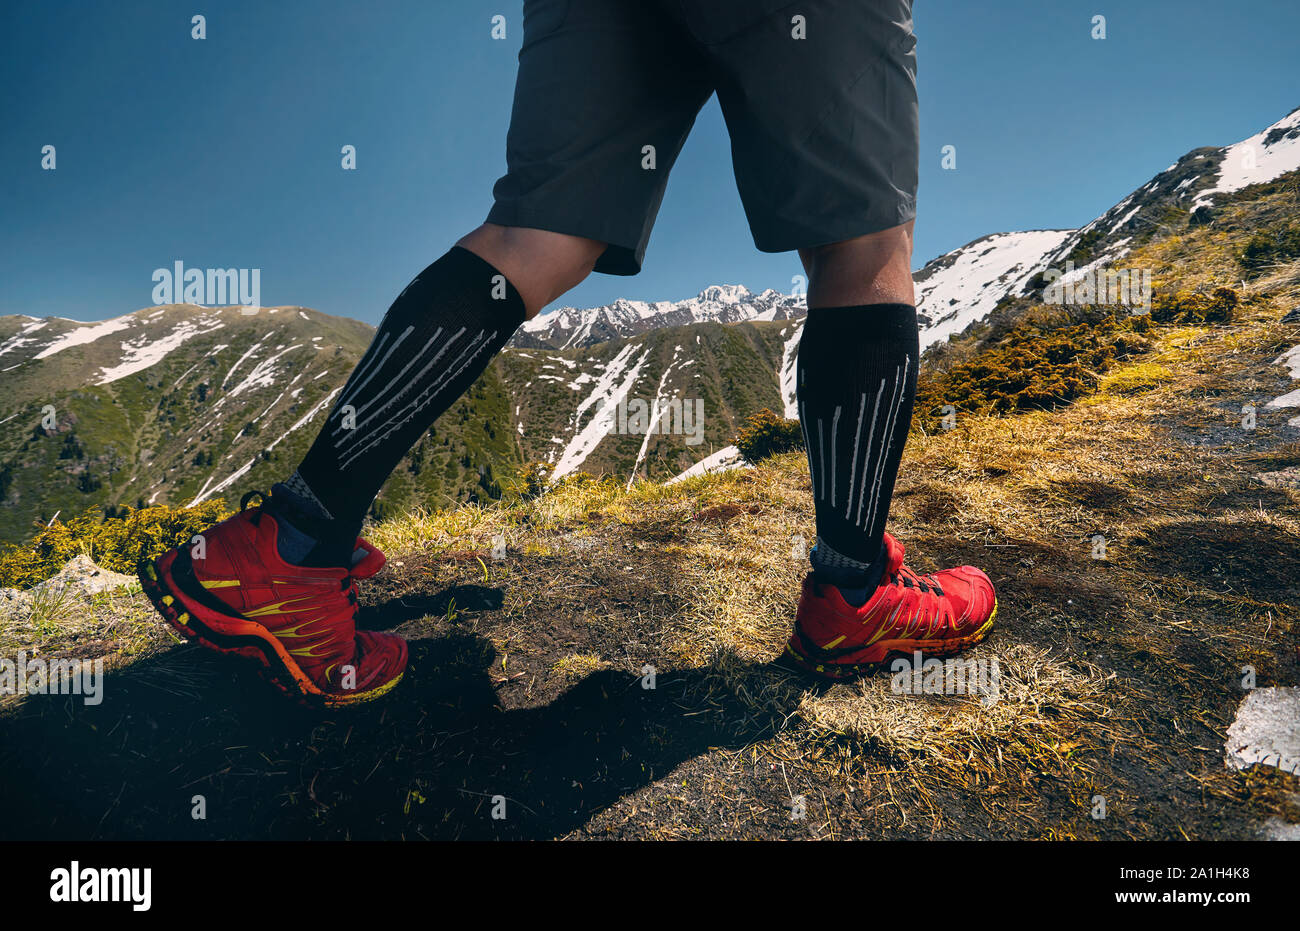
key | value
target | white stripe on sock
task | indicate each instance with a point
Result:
(807, 445)
(890, 424)
(414, 282)
(835, 431)
(410, 383)
(484, 341)
(367, 364)
(886, 442)
(871, 439)
(821, 458)
(400, 376)
(361, 384)
(853, 468)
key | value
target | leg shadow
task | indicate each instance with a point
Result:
(184, 734)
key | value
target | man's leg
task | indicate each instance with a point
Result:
(872, 269)
(825, 143)
(436, 339)
(858, 358)
(540, 264)
(280, 591)
(856, 382)
(598, 82)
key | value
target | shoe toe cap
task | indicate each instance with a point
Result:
(975, 587)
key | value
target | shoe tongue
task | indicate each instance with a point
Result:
(366, 560)
(306, 539)
(893, 555)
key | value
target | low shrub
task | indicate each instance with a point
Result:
(117, 543)
(765, 434)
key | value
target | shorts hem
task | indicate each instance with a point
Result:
(618, 257)
(810, 238)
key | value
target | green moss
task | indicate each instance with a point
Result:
(1271, 246)
(1185, 306)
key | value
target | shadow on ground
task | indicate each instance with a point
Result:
(425, 763)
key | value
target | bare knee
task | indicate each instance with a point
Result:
(871, 269)
(542, 265)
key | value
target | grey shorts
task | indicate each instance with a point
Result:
(823, 128)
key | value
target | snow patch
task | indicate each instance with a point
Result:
(956, 295)
(1263, 157)
(1291, 359)
(606, 394)
(87, 333)
(22, 337)
(263, 374)
(144, 351)
(723, 460)
(205, 492)
(789, 369)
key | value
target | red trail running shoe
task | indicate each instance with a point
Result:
(236, 595)
(939, 614)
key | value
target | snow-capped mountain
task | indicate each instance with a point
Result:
(1268, 154)
(181, 403)
(962, 287)
(568, 404)
(171, 404)
(965, 285)
(569, 327)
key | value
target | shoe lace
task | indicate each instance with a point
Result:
(261, 503)
(349, 587)
(908, 578)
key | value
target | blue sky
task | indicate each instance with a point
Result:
(225, 152)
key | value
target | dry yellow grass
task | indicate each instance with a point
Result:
(1026, 494)
(1117, 675)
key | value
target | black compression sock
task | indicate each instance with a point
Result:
(436, 339)
(856, 383)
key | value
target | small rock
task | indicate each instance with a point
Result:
(1284, 478)
(1266, 730)
(1292, 316)
(1277, 829)
(81, 576)
(15, 605)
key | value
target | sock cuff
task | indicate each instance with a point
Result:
(299, 498)
(305, 536)
(834, 568)
(471, 264)
(861, 323)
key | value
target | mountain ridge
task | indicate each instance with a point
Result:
(180, 403)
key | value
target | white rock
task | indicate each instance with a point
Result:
(15, 605)
(81, 576)
(1277, 829)
(1266, 730)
